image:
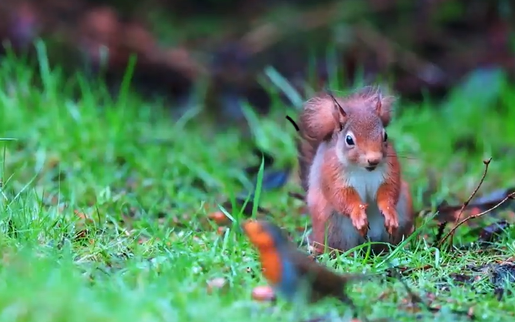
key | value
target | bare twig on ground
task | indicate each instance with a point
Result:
(447, 213)
(467, 202)
(509, 196)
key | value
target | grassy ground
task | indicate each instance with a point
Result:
(98, 224)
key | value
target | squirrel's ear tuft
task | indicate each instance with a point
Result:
(339, 113)
(320, 117)
(384, 106)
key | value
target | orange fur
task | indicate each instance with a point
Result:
(269, 256)
(409, 228)
(389, 192)
(271, 265)
(333, 172)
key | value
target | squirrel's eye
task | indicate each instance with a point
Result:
(385, 137)
(349, 140)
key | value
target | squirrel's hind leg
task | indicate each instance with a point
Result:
(341, 234)
(405, 213)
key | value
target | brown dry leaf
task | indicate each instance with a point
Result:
(101, 27)
(300, 229)
(302, 210)
(218, 283)
(410, 307)
(221, 230)
(470, 312)
(82, 225)
(220, 218)
(431, 297)
(263, 294)
(181, 59)
(137, 38)
(177, 220)
(384, 295)
(82, 216)
(144, 239)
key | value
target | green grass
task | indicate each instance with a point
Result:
(147, 250)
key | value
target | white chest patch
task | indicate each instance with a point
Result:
(316, 167)
(365, 182)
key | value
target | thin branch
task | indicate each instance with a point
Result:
(467, 202)
(297, 195)
(509, 196)
(444, 211)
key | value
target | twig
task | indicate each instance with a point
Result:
(297, 195)
(509, 196)
(443, 212)
(466, 203)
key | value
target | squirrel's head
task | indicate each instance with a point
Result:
(362, 118)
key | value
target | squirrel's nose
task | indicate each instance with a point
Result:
(373, 162)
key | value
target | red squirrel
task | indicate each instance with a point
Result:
(351, 173)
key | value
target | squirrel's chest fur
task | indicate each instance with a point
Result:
(366, 183)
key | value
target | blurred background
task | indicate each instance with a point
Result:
(232, 49)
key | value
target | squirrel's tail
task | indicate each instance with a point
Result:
(306, 154)
(316, 124)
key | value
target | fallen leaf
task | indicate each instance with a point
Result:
(384, 295)
(218, 283)
(449, 213)
(461, 278)
(220, 218)
(221, 230)
(489, 233)
(502, 274)
(263, 294)
(470, 313)
(81, 226)
(82, 216)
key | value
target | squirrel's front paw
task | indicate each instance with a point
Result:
(391, 219)
(359, 219)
